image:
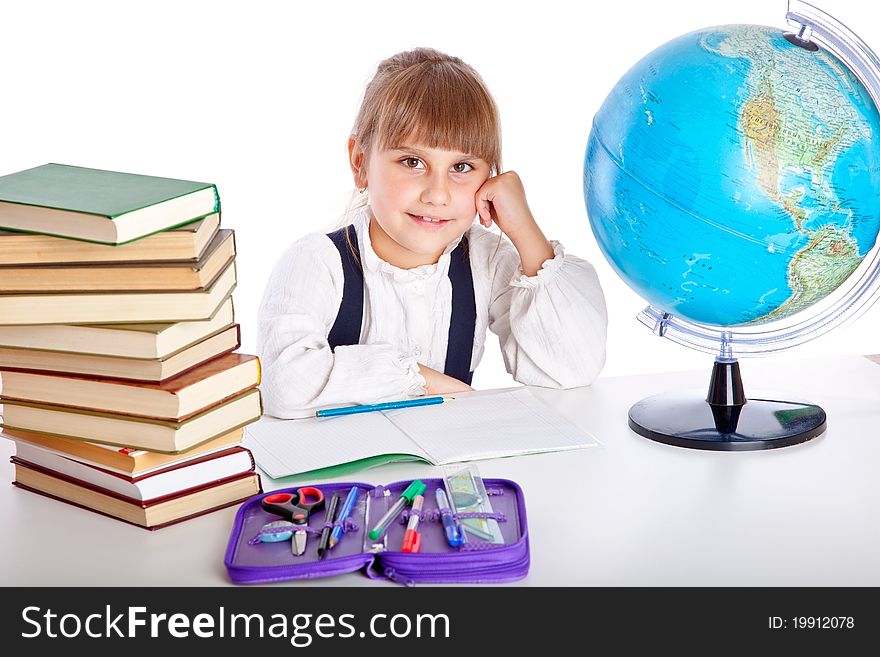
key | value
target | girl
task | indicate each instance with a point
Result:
(397, 304)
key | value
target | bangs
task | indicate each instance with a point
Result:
(440, 106)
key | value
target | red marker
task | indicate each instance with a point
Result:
(412, 539)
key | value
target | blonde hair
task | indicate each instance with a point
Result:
(428, 97)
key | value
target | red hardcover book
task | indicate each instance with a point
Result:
(154, 514)
(162, 482)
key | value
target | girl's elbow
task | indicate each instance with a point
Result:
(591, 373)
(586, 371)
(273, 403)
(280, 399)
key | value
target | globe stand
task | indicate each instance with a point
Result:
(725, 420)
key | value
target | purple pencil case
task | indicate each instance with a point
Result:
(249, 561)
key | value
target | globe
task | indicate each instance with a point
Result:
(732, 179)
(731, 176)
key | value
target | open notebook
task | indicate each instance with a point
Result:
(470, 427)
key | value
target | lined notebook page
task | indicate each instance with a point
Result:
(482, 426)
(285, 447)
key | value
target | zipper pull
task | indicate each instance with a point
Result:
(391, 574)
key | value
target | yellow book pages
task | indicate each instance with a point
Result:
(121, 276)
(117, 307)
(142, 341)
(135, 369)
(184, 243)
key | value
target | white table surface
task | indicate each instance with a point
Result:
(631, 512)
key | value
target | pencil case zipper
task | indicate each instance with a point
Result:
(339, 566)
(407, 569)
(499, 573)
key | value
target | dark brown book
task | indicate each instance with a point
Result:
(162, 483)
(153, 515)
(119, 277)
(130, 431)
(177, 398)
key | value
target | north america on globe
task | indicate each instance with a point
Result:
(731, 176)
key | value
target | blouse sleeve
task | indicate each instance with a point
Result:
(551, 326)
(300, 372)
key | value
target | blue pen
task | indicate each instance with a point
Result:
(385, 406)
(350, 499)
(453, 531)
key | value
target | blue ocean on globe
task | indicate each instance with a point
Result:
(732, 177)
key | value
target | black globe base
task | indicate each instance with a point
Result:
(688, 421)
(725, 420)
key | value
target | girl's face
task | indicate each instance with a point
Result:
(422, 199)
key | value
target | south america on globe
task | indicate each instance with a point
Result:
(731, 176)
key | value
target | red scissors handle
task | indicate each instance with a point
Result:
(291, 505)
(310, 498)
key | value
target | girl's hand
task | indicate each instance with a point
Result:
(437, 383)
(502, 199)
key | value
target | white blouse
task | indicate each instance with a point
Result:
(551, 326)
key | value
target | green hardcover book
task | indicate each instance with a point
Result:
(93, 205)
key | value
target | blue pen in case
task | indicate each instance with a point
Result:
(437, 561)
(452, 529)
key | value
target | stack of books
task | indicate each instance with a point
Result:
(120, 383)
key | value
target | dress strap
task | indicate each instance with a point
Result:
(460, 346)
(347, 327)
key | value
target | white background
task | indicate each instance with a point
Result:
(259, 98)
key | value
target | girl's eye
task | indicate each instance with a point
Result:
(412, 163)
(462, 167)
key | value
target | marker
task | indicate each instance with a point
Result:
(453, 531)
(350, 500)
(411, 538)
(325, 532)
(406, 498)
(385, 406)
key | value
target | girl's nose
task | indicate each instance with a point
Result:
(436, 190)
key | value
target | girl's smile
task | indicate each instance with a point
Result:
(428, 222)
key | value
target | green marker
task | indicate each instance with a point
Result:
(406, 498)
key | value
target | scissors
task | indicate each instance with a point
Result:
(295, 507)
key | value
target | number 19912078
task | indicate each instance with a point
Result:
(811, 623)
